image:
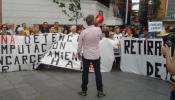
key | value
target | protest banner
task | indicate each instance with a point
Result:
(63, 54)
(23, 52)
(144, 57)
(27, 52)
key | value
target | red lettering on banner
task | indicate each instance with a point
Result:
(3, 39)
(12, 39)
(7, 39)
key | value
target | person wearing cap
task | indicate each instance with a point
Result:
(4, 30)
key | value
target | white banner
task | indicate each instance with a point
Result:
(26, 52)
(143, 57)
(23, 52)
(63, 54)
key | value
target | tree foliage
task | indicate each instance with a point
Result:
(72, 9)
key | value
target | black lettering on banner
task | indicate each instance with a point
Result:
(55, 45)
(157, 69)
(61, 38)
(36, 38)
(150, 47)
(45, 36)
(140, 48)
(19, 67)
(36, 48)
(127, 45)
(24, 59)
(150, 68)
(55, 60)
(69, 38)
(4, 49)
(32, 59)
(145, 48)
(5, 68)
(16, 60)
(62, 45)
(132, 46)
(28, 48)
(34, 66)
(50, 54)
(27, 39)
(43, 47)
(53, 37)
(8, 60)
(21, 51)
(74, 57)
(40, 56)
(1, 60)
(69, 63)
(57, 54)
(67, 55)
(62, 55)
(158, 47)
(12, 47)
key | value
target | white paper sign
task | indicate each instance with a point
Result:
(155, 26)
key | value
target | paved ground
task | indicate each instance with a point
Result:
(64, 85)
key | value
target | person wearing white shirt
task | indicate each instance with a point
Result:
(118, 34)
(73, 30)
(115, 40)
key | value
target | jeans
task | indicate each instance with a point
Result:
(98, 77)
(172, 95)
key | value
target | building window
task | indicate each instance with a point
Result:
(171, 9)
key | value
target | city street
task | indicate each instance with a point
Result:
(63, 84)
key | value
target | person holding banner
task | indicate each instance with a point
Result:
(4, 30)
(89, 43)
(170, 63)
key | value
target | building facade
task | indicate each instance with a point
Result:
(143, 9)
(166, 12)
(38, 11)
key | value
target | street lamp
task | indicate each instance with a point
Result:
(149, 15)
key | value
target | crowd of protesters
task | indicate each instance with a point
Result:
(108, 31)
(26, 30)
(112, 32)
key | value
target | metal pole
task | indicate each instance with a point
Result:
(0, 11)
(166, 8)
(126, 14)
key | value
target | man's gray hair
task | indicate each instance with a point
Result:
(90, 20)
